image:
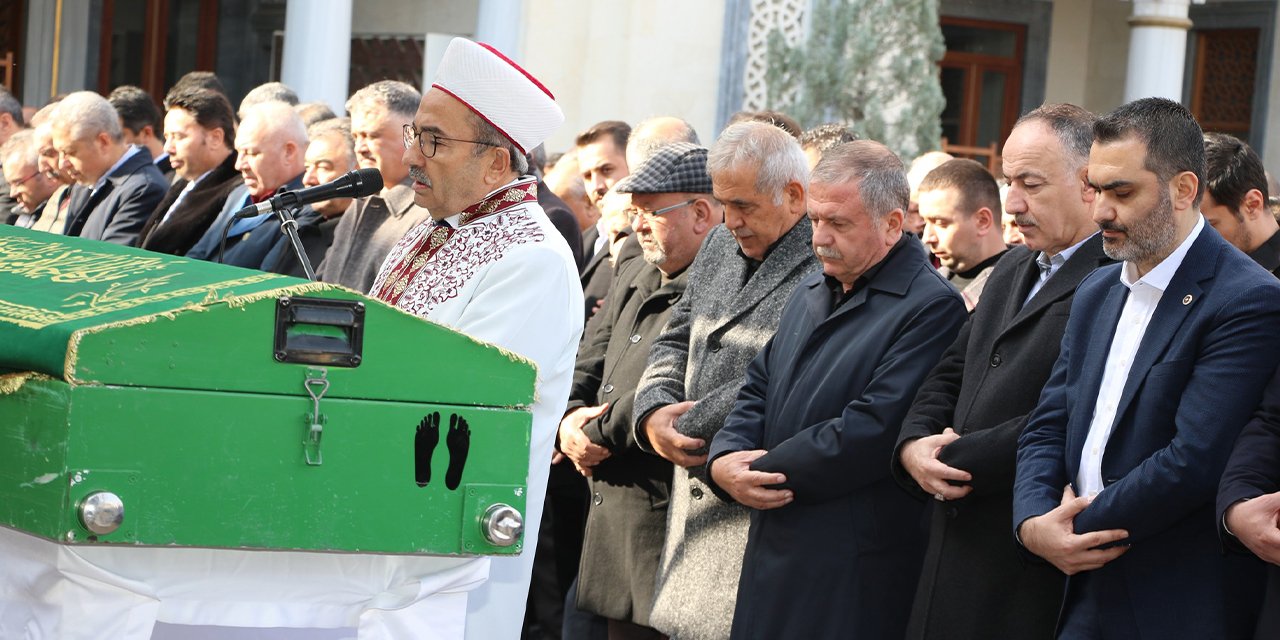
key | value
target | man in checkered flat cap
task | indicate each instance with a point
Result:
(627, 520)
(489, 263)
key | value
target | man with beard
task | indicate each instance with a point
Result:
(1163, 361)
(1235, 199)
(630, 487)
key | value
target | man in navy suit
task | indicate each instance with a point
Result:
(1163, 361)
(122, 185)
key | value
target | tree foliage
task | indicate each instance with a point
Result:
(870, 64)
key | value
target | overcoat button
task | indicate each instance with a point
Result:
(608, 388)
(635, 338)
(597, 499)
(696, 493)
(996, 360)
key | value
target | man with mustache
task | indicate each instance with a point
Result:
(959, 443)
(805, 445)
(1163, 361)
(370, 226)
(489, 263)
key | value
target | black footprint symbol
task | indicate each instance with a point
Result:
(424, 444)
(458, 441)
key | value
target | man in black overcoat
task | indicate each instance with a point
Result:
(959, 443)
(200, 136)
(834, 546)
(1249, 501)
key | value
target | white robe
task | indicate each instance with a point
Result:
(508, 279)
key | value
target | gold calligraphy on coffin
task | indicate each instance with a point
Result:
(31, 317)
(40, 260)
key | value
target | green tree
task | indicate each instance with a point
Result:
(870, 64)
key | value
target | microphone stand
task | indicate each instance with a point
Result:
(289, 227)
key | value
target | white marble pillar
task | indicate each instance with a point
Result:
(1157, 49)
(498, 24)
(317, 50)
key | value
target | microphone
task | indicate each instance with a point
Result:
(355, 184)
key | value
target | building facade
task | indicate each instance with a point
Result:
(631, 60)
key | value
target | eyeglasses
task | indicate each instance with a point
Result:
(638, 213)
(23, 181)
(412, 136)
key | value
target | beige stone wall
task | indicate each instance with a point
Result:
(1271, 152)
(414, 17)
(625, 60)
(1088, 53)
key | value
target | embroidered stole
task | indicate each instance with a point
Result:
(421, 252)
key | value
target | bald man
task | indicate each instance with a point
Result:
(271, 144)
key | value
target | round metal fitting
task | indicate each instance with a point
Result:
(502, 525)
(102, 512)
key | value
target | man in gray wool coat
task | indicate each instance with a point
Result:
(738, 284)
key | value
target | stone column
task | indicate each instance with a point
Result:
(317, 50)
(1157, 49)
(498, 24)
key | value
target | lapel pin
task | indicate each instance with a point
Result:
(1186, 300)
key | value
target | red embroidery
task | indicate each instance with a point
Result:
(415, 254)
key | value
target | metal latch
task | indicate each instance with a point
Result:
(316, 384)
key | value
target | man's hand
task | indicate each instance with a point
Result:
(733, 473)
(920, 459)
(1052, 537)
(660, 429)
(1256, 524)
(575, 444)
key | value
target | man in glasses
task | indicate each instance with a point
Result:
(488, 262)
(371, 226)
(31, 188)
(630, 487)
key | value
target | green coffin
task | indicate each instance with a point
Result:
(186, 391)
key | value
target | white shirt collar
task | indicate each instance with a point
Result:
(1158, 278)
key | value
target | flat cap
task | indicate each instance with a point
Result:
(680, 167)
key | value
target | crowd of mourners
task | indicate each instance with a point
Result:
(821, 392)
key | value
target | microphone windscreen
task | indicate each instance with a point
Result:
(368, 182)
